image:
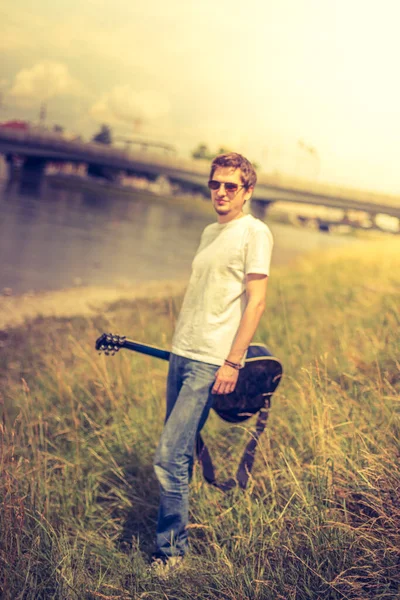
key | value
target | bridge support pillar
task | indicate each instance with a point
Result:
(32, 175)
(107, 173)
(259, 208)
(8, 161)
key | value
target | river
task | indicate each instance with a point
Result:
(68, 236)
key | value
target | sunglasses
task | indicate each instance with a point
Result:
(230, 187)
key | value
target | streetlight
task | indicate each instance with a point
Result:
(311, 151)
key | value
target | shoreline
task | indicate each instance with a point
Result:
(92, 300)
(79, 301)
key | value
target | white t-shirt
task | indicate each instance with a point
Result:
(216, 295)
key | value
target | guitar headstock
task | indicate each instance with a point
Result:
(110, 343)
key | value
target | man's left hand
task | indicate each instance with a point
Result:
(225, 380)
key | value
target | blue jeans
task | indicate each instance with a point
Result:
(189, 401)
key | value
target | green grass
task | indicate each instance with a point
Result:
(321, 517)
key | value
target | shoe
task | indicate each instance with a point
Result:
(162, 568)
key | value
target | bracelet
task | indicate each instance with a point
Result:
(236, 366)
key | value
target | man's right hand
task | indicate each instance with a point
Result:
(225, 380)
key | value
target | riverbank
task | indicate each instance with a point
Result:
(83, 301)
(88, 301)
(321, 517)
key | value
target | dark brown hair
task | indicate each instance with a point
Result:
(236, 161)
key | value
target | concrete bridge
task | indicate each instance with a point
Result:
(37, 148)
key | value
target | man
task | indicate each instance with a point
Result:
(222, 307)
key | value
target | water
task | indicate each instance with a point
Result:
(63, 237)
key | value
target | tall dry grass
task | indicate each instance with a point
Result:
(321, 517)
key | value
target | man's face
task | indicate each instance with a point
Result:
(229, 205)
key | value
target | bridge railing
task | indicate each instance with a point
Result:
(52, 140)
(325, 189)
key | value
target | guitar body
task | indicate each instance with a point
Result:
(256, 383)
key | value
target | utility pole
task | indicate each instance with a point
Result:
(42, 114)
(312, 152)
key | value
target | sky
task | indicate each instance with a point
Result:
(307, 88)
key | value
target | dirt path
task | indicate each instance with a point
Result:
(15, 310)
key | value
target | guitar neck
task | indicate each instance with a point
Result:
(145, 349)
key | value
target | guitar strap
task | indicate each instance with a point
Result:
(247, 460)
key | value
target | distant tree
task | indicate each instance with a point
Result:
(58, 129)
(103, 136)
(223, 150)
(202, 152)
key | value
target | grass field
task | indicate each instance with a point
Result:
(321, 518)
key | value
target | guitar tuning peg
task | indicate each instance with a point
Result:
(122, 338)
(116, 348)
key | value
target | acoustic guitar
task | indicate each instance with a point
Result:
(256, 383)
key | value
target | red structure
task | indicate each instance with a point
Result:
(16, 125)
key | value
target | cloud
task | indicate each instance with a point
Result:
(126, 104)
(45, 80)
